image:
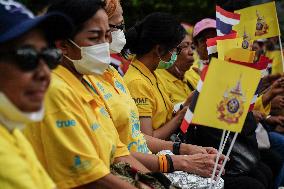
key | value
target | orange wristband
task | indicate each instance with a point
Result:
(161, 162)
(165, 163)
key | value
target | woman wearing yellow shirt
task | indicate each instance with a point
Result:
(77, 142)
(125, 115)
(154, 41)
(25, 63)
(177, 88)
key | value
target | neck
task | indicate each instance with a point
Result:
(149, 62)
(176, 72)
(69, 66)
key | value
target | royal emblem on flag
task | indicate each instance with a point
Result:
(261, 26)
(246, 39)
(231, 107)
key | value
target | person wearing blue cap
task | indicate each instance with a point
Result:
(25, 63)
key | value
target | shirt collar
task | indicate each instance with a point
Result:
(169, 76)
(144, 70)
(73, 82)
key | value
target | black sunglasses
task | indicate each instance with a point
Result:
(119, 27)
(27, 57)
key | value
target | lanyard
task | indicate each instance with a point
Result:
(152, 85)
(89, 86)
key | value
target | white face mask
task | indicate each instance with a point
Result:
(95, 59)
(13, 118)
(118, 41)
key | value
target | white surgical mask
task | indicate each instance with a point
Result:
(11, 117)
(118, 41)
(95, 59)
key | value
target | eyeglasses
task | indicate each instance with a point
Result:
(27, 57)
(117, 27)
(181, 47)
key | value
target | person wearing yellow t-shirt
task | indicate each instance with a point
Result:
(154, 40)
(77, 142)
(125, 116)
(24, 79)
(177, 88)
(193, 74)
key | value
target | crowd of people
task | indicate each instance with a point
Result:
(69, 119)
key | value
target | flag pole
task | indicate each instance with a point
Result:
(281, 52)
(226, 159)
(217, 159)
(220, 151)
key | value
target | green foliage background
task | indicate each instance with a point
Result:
(189, 11)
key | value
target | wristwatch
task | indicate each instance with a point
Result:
(176, 147)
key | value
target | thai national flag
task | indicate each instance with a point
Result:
(225, 21)
(189, 113)
(212, 42)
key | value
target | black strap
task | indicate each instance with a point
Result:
(190, 86)
(152, 84)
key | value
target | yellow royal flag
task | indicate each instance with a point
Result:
(226, 95)
(277, 66)
(240, 55)
(265, 17)
(223, 46)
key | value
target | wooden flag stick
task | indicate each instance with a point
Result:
(226, 159)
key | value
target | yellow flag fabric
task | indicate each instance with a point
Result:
(226, 95)
(241, 55)
(223, 46)
(277, 66)
(265, 17)
(246, 31)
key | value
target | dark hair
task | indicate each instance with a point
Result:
(78, 10)
(155, 29)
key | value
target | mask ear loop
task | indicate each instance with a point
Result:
(71, 41)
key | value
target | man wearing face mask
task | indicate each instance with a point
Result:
(25, 63)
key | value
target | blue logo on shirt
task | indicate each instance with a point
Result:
(119, 86)
(104, 112)
(77, 161)
(65, 123)
(141, 147)
(95, 126)
(102, 89)
(135, 123)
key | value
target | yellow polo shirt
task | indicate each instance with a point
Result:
(77, 141)
(19, 166)
(149, 94)
(121, 108)
(177, 90)
(191, 76)
(259, 106)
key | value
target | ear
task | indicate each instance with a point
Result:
(158, 51)
(62, 45)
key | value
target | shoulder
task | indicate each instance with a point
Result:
(60, 95)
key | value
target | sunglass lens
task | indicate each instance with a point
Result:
(27, 58)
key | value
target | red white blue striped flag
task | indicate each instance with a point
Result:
(225, 21)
